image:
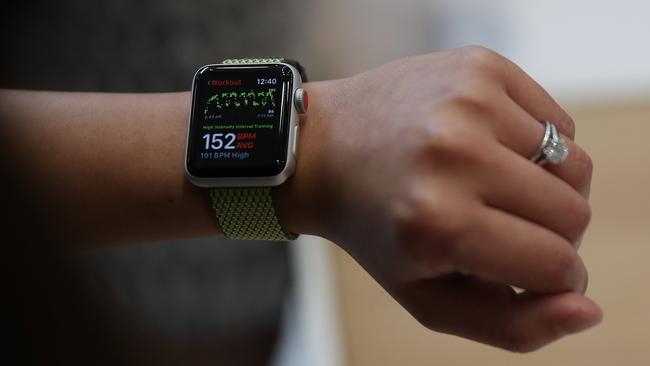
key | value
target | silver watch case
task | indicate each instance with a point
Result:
(291, 157)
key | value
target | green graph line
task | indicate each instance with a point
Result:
(241, 99)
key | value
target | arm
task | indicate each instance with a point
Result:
(419, 169)
(109, 167)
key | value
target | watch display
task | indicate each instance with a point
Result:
(240, 121)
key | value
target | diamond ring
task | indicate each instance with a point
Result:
(552, 149)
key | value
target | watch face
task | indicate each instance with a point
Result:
(240, 121)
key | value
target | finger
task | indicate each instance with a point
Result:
(526, 190)
(495, 314)
(577, 170)
(535, 100)
(521, 132)
(504, 248)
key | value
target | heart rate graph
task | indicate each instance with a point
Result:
(248, 99)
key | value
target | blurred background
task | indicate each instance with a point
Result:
(308, 303)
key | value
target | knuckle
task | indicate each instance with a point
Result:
(438, 145)
(563, 270)
(481, 58)
(472, 98)
(584, 164)
(457, 146)
(407, 212)
(427, 228)
(581, 215)
(588, 165)
(569, 125)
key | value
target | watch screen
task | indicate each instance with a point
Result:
(238, 126)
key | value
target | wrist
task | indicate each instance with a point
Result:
(305, 199)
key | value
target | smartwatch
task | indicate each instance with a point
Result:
(242, 138)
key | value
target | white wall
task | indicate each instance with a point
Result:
(349, 36)
(577, 49)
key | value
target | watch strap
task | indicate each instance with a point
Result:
(248, 214)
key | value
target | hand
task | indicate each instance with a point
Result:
(420, 170)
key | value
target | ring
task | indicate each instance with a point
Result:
(552, 149)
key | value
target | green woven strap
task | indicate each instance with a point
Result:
(255, 60)
(268, 60)
(248, 214)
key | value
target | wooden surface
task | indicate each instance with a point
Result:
(616, 250)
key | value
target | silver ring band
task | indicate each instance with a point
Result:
(552, 149)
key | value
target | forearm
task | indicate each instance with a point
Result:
(109, 167)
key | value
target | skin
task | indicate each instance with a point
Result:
(418, 169)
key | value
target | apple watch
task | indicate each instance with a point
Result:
(242, 139)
